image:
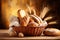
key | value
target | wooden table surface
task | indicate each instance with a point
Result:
(4, 36)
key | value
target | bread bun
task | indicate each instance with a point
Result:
(52, 32)
(33, 24)
(21, 35)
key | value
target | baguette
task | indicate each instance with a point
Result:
(52, 32)
(21, 13)
(24, 21)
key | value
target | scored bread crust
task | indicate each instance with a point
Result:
(24, 19)
(35, 18)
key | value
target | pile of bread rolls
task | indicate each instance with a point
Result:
(25, 20)
(30, 20)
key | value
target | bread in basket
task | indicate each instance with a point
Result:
(30, 25)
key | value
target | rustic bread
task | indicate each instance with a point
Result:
(52, 32)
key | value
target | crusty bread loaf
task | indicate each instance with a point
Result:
(52, 32)
(23, 17)
(24, 21)
(21, 13)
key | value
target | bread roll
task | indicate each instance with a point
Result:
(21, 35)
(52, 32)
(35, 18)
(33, 24)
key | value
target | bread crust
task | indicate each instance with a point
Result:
(24, 21)
(52, 32)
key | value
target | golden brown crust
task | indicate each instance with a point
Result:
(21, 35)
(41, 21)
(33, 24)
(24, 21)
(52, 32)
(35, 18)
(21, 13)
(31, 20)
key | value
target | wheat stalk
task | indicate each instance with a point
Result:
(53, 22)
(48, 18)
(44, 12)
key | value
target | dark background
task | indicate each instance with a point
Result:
(55, 11)
(1, 22)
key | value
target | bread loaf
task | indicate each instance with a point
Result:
(52, 32)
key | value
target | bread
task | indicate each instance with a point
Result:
(21, 35)
(39, 18)
(33, 24)
(31, 20)
(52, 32)
(23, 17)
(35, 18)
(24, 21)
(21, 13)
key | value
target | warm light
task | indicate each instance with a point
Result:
(31, 9)
(22, 13)
(10, 7)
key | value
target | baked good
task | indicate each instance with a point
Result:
(23, 17)
(21, 13)
(52, 32)
(35, 18)
(24, 21)
(33, 24)
(21, 35)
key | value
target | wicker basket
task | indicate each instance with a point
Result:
(31, 31)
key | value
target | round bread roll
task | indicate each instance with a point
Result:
(21, 35)
(33, 24)
(52, 32)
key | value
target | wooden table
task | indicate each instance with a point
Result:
(4, 36)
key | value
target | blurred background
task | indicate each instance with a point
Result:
(10, 7)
